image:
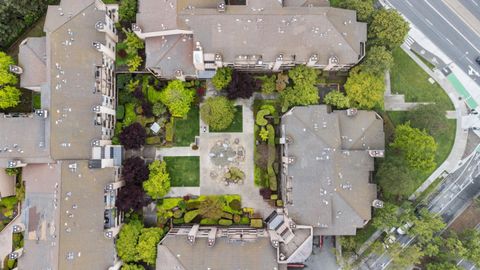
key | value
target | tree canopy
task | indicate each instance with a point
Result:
(426, 226)
(418, 147)
(303, 91)
(365, 90)
(430, 117)
(222, 77)
(6, 77)
(395, 178)
(130, 197)
(388, 28)
(337, 99)
(158, 183)
(364, 8)
(211, 207)
(243, 85)
(9, 97)
(147, 244)
(217, 112)
(127, 241)
(130, 266)
(134, 170)
(471, 241)
(177, 98)
(133, 136)
(127, 10)
(377, 61)
(268, 83)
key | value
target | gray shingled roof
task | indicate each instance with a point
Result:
(330, 174)
(175, 253)
(32, 56)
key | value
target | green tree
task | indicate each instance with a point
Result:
(298, 95)
(134, 63)
(147, 244)
(133, 42)
(132, 267)
(9, 97)
(426, 226)
(429, 117)
(418, 147)
(388, 28)
(443, 266)
(302, 74)
(471, 241)
(6, 77)
(217, 112)
(159, 109)
(211, 207)
(158, 183)
(177, 98)
(365, 90)
(409, 256)
(268, 83)
(337, 99)
(386, 217)
(222, 78)
(377, 61)
(127, 241)
(127, 10)
(395, 178)
(364, 8)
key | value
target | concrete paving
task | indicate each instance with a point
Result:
(323, 257)
(6, 239)
(248, 191)
(176, 152)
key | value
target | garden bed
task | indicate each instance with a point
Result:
(237, 123)
(184, 171)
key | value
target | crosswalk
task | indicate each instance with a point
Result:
(409, 41)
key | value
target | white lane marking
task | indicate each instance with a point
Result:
(408, 2)
(429, 22)
(475, 3)
(449, 23)
(470, 60)
(449, 41)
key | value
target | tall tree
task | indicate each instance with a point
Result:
(243, 85)
(377, 61)
(364, 8)
(133, 136)
(127, 10)
(426, 226)
(388, 28)
(411, 255)
(222, 77)
(303, 92)
(395, 178)
(337, 99)
(177, 98)
(130, 197)
(386, 218)
(471, 241)
(135, 170)
(130, 266)
(217, 112)
(418, 147)
(9, 97)
(158, 183)
(365, 90)
(6, 77)
(430, 117)
(127, 241)
(147, 244)
(443, 266)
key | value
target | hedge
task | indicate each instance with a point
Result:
(169, 131)
(256, 223)
(120, 112)
(260, 119)
(208, 221)
(169, 203)
(190, 215)
(244, 221)
(153, 140)
(225, 222)
(177, 221)
(227, 215)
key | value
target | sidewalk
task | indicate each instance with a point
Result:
(460, 135)
(177, 152)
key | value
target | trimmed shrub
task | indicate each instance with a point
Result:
(268, 107)
(271, 135)
(260, 119)
(237, 219)
(182, 205)
(177, 214)
(190, 215)
(256, 223)
(169, 131)
(244, 221)
(178, 221)
(272, 180)
(273, 197)
(153, 140)
(222, 78)
(227, 215)
(225, 222)
(266, 193)
(235, 205)
(208, 221)
(249, 211)
(279, 203)
(193, 205)
(130, 116)
(120, 112)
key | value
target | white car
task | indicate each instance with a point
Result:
(404, 228)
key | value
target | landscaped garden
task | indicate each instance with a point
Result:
(184, 171)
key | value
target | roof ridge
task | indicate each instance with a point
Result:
(72, 17)
(336, 29)
(167, 51)
(42, 59)
(362, 135)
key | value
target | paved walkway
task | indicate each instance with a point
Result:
(6, 240)
(176, 152)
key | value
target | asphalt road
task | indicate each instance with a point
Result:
(446, 30)
(473, 6)
(450, 199)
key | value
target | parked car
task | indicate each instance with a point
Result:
(389, 239)
(477, 60)
(404, 228)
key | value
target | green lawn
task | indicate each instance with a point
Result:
(237, 124)
(409, 79)
(37, 101)
(184, 171)
(187, 129)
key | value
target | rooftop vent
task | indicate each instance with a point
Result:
(352, 112)
(221, 7)
(100, 26)
(377, 203)
(15, 69)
